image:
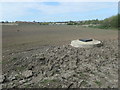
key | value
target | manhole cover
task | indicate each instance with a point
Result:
(85, 43)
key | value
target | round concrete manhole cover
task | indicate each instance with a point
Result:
(86, 43)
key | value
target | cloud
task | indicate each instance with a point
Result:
(12, 10)
(73, 7)
(57, 10)
(59, 1)
(51, 3)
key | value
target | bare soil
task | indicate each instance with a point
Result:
(40, 56)
(30, 34)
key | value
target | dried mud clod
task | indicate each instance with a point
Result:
(62, 67)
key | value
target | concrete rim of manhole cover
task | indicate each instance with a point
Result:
(86, 43)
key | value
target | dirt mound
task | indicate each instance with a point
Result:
(62, 67)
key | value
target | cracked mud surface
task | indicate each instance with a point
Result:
(62, 66)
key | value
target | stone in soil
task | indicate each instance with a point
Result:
(27, 73)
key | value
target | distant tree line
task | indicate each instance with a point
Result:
(4, 22)
(111, 22)
(44, 23)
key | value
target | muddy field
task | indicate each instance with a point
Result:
(28, 34)
(40, 56)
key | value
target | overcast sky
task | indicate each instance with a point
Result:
(56, 11)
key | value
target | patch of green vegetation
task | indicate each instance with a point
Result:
(44, 23)
(103, 27)
(49, 81)
(2, 62)
(100, 27)
(20, 68)
(83, 83)
(36, 85)
(82, 75)
(14, 59)
(109, 87)
(98, 83)
(27, 86)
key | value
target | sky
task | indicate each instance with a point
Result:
(56, 11)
